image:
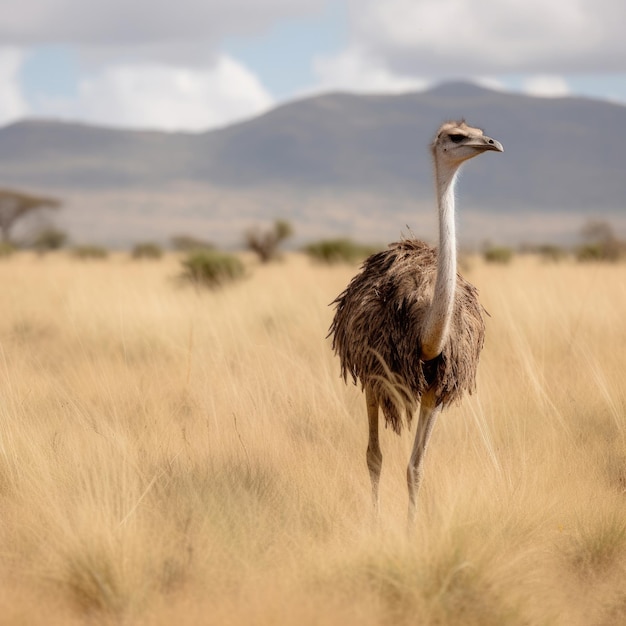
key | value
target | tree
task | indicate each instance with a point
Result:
(597, 231)
(601, 242)
(15, 205)
(265, 244)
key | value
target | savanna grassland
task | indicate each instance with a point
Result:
(177, 456)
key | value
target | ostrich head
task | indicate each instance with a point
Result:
(457, 142)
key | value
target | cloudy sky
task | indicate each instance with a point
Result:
(198, 64)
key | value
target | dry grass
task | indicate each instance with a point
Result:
(169, 456)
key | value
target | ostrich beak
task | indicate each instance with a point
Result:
(484, 143)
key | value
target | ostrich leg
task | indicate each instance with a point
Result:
(429, 410)
(374, 455)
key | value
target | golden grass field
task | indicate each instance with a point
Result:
(169, 456)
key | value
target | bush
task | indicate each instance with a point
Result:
(6, 249)
(265, 244)
(147, 250)
(551, 253)
(187, 243)
(339, 251)
(600, 251)
(209, 268)
(49, 239)
(498, 254)
(90, 252)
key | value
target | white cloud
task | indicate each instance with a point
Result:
(149, 64)
(456, 37)
(12, 103)
(352, 70)
(166, 97)
(397, 45)
(546, 85)
(414, 37)
(155, 64)
(120, 22)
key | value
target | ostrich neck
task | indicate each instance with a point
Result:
(437, 326)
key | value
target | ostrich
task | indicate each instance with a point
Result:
(408, 326)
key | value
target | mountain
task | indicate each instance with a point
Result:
(327, 162)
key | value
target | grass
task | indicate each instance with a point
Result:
(178, 455)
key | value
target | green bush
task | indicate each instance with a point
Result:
(187, 243)
(498, 254)
(551, 253)
(90, 252)
(6, 249)
(210, 268)
(49, 239)
(600, 251)
(147, 250)
(339, 251)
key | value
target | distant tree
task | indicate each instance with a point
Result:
(186, 243)
(601, 242)
(265, 243)
(597, 231)
(15, 205)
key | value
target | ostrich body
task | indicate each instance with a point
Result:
(408, 326)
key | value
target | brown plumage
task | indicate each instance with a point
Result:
(377, 324)
(408, 326)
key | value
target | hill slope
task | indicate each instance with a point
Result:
(561, 155)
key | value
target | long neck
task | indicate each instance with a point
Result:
(437, 325)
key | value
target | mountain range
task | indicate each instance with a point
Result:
(334, 165)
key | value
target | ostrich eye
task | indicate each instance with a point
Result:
(457, 138)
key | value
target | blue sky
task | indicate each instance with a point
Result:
(203, 63)
(281, 55)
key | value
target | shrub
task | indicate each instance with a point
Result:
(49, 239)
(90, 252)
(187, 243)
(551, 252)
(498, 254)
(589, 252)
(339, 251)
(147, 250)
(6, 249)
(265, 244)
(210, 268)
(600, 251)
